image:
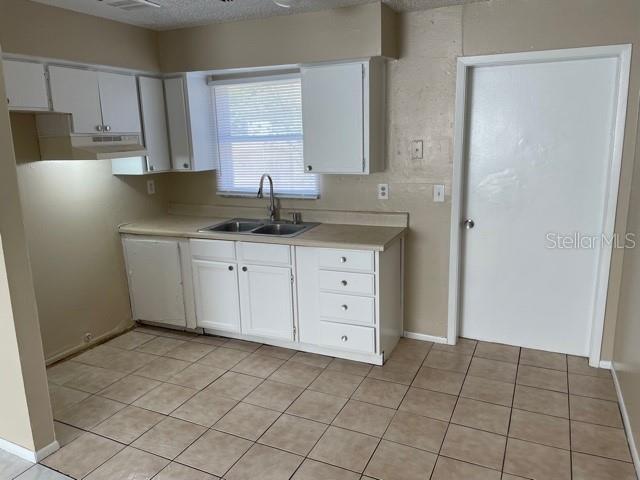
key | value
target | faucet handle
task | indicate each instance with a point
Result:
(296, 217)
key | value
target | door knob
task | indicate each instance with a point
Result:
(468, 224)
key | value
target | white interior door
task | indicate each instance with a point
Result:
(539, 154)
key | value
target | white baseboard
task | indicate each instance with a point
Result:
(627, 423)
(424, 337)
(25, 453)
(606, 364)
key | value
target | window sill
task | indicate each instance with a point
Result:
(315, 196)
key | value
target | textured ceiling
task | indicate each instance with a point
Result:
(182, 13)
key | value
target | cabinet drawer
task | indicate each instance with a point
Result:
(348, 337)
(360, 260)
(268, 253)
(347, 307)
(358, 283)
(213, 249)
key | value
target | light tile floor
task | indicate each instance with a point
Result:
(159, 404)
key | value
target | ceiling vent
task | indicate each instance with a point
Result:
(129, 5)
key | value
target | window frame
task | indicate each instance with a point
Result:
(255, 77)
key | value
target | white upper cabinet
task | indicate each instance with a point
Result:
(97, 101)
(154, 119)
(178, 123)
(119, 101)
(76, 91)
(191, 127)
(343, 117)
(26, 85)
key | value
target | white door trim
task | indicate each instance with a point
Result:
(623, 54)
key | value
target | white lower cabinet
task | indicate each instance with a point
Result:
(266, 305)
(155, 273)
(343, 303)
(216, 295)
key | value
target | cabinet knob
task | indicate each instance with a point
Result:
(185, 165)
(151, 167)
(107, 128)
(344, 338)
(244, 269)
(99, 128)
(343, 259)
(231, 268)
(345, 307)
(343, 283)
(309, 168)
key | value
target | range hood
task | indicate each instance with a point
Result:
(58, 143)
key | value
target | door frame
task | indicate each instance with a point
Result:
(464, 65)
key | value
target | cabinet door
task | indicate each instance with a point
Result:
(119, 100)
(76, 91)
(26, 85)
(333, 118)
(216, 292)
(178, 123)
(154, 120)
(155, 280)
(266, 295)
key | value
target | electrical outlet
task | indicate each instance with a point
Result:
(416, 150)
(383, 191)
(438, 193)
(151, 187)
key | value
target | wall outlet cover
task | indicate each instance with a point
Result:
(438, 193)
(151, 187)
(417, 152)
(383, 191)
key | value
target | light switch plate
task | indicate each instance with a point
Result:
(416, 150)
(438, 193)
(151, 187)
(383, 191)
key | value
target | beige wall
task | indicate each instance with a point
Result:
(626, 356)
(71, 214)
(25, 412)
(350, 32)
(30, 28)
(72, 209)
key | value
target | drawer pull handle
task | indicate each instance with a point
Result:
(345, 307)
(344, 283)
(343, 259)
(344, 338)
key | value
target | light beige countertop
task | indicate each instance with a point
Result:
(365, 237)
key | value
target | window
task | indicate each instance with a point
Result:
(259, 130)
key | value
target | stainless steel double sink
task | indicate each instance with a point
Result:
(250, 226)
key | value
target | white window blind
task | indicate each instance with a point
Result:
(259, 130)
